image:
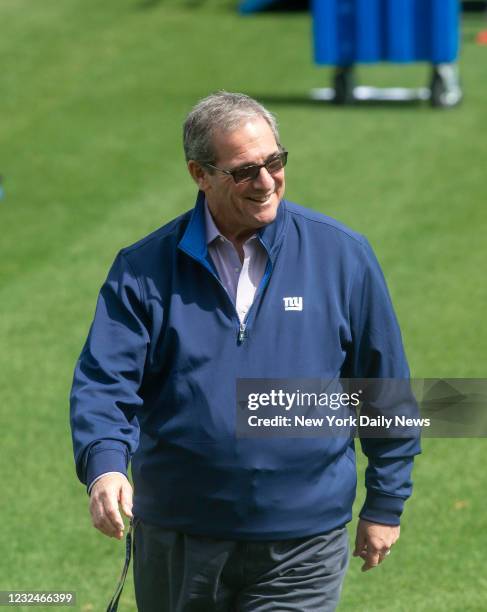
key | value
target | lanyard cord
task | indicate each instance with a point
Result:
(113, 605)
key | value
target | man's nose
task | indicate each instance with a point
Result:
(264, 179)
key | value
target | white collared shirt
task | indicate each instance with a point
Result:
(240, 279)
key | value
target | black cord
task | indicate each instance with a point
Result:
(113, 605)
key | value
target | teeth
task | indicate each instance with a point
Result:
(261, 200)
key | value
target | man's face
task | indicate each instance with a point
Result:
(241, 208)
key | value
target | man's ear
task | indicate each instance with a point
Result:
(199, 175)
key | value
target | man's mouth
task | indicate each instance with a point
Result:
(261, 200)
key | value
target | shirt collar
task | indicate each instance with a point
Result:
(194, 240)
(212, 232)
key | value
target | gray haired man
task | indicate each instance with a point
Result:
(222, 522)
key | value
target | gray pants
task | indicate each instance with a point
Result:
(177, 572)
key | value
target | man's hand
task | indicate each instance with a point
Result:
(373, 542)
(106, 495)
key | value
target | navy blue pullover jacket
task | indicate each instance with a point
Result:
(156, 381)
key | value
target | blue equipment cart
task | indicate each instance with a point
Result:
(350, 32)
(347, 32)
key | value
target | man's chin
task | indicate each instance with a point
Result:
(266, 215)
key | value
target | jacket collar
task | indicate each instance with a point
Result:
(194, 242)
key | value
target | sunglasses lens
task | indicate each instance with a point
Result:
(250, 173)
(276, 164)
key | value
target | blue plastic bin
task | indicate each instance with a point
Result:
(347, 32)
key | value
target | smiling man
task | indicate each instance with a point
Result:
(238, 205)
(223, 522)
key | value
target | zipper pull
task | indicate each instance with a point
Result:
(241, 333)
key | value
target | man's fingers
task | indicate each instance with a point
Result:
(106, 495)
(360, 544)
(374, 555)
(106, 518)
(101, 521)
(126, 500)
(112, 513)
(372, 559)
(376, 551)
(373, 542)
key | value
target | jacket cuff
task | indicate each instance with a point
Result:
(99, 462)
(381, 508)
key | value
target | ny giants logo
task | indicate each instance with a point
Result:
(293, 303)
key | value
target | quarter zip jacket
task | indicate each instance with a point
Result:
(156, 381)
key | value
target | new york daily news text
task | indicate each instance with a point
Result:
(361, 407)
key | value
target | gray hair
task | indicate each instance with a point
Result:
(220, 111)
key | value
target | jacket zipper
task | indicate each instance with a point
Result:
(241, 333)
(243, 325)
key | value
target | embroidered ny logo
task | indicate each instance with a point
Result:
(293, 303)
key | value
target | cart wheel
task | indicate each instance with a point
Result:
(344, 84)
(445, 86)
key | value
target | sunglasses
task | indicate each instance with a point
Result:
(251, 172)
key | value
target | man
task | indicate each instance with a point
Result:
(230, 523)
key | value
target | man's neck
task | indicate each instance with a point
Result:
(236, 237)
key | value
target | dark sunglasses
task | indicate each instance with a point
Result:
(251, 172)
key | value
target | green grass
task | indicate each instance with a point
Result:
(92, 99)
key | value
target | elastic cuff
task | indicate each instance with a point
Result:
(111, 460)
(380, 508)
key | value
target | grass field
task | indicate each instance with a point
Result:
(92, 96)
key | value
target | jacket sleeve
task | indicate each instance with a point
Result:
(377, 352)
(108, 376)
